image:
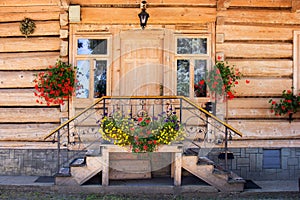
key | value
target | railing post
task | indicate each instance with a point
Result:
(226, 148)
(180, 114)
(58, 151)
(103, 107)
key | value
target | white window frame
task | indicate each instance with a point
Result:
(296, 62)
(192, 58)
(92, 58)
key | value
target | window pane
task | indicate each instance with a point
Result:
(200, 67)
(100, 78)
(92, 46)
(183, 77)
(83, 78)
(192, 46)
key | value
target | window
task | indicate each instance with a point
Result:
(271, 159)
(92, 67)
(192, 61)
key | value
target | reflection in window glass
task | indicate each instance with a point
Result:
(199, 78)
(91, 46)
(183, 77)
(83, 78)
(100, 78)
(192, 46)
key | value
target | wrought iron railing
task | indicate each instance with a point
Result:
(203, 130)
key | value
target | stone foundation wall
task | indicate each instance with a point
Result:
(248, 163)
(33, 162)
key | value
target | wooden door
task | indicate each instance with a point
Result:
(141, 72)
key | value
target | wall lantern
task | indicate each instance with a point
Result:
(143, 15)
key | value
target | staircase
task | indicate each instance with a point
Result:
(83, 169)
(79, 171)
(200, 125)
(212, 174)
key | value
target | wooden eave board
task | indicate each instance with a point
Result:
(150, 3)
(163, 15)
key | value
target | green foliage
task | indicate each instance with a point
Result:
(143, 133)
(222, 79)
(56, 84)
(288, 104)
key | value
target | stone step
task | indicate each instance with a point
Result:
(78, 162)
(63, 172)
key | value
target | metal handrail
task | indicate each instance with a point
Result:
(185, 104)
(145, 97)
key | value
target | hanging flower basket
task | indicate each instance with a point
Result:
(56, 84)
(222, 79)
(288, 105)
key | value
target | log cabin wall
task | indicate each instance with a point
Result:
(256, 36)
(23, 122)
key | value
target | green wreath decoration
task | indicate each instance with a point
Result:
(27, 26)
(143, 133)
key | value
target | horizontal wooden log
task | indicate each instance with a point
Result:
(25, 132)
(256, 112)
(29, 44)
(36, 16)
(264, 67)
(264, 143)
(251, 32)
(42, 29)
(261, 3)
(163, 15)
(27, 115)
(31, 3)
(256, 50)
(253, 113)
(16, 79)
(27, 61)
(27, 9)
(17, 97)
(265, 129)
(120, 2)
(260, 16)
(248, 103)
(254, 108)
(262, 86)
(27, 145)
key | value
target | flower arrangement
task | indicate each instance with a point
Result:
(143, 133)
(222, 79)
(287, 105)
(56, 84)
(200, 88)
